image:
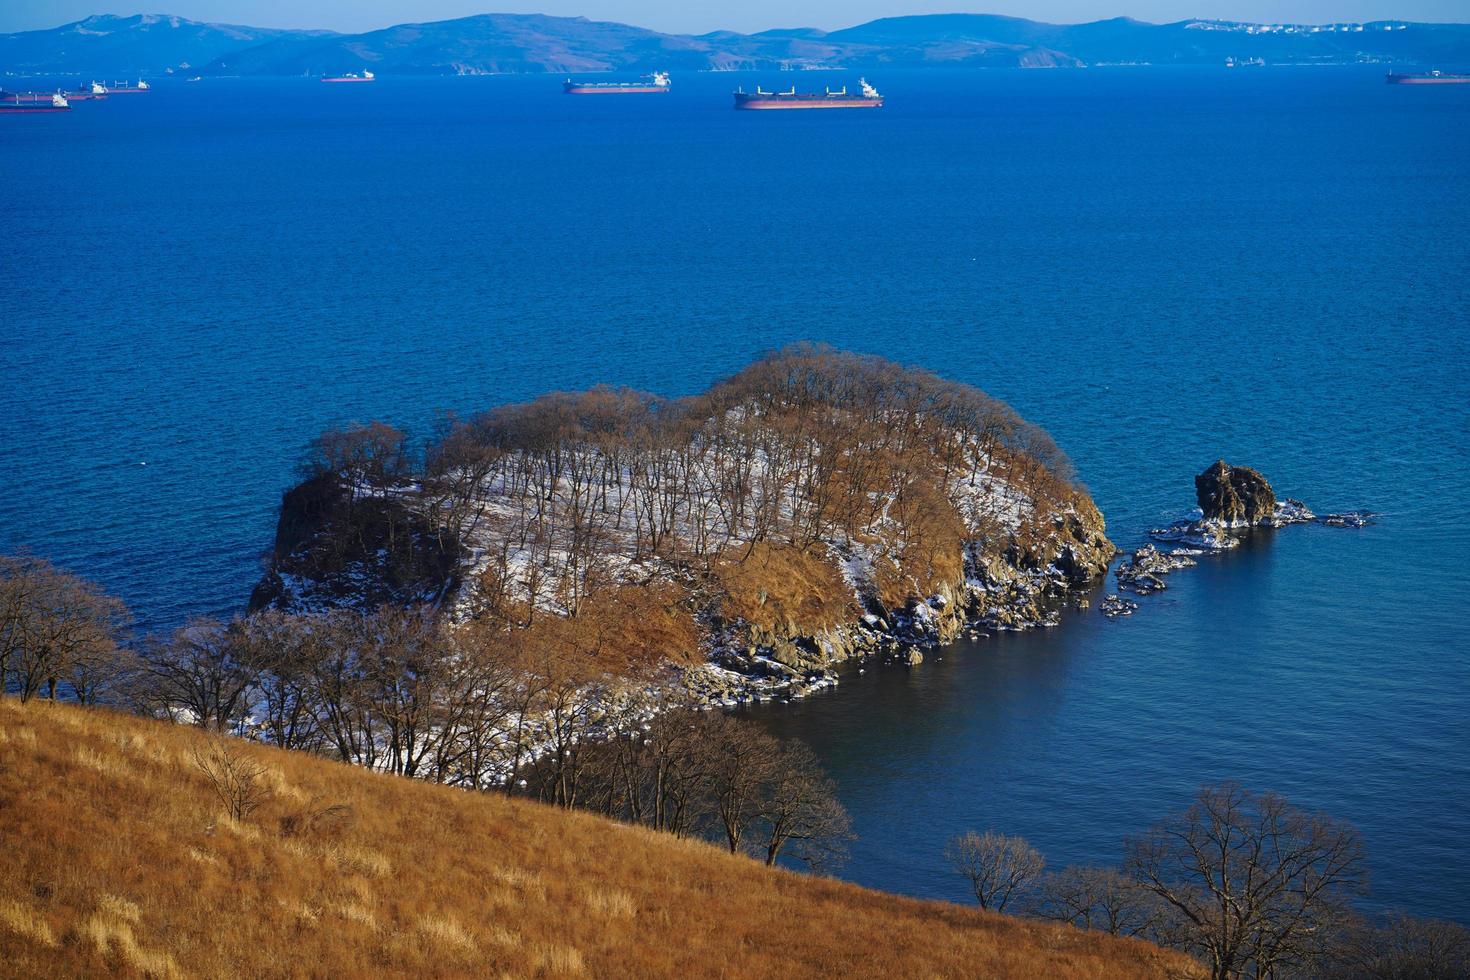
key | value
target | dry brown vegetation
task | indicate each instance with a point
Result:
(783, 589)
(119, 857)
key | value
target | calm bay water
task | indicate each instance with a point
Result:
(1160, 267)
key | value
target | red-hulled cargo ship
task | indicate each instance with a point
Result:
(868, 98)
(81, 94)
(366, 76)
(12, 105)
(652, 84)
(94, 91)
(1428, 78)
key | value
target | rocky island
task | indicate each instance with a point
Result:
(816, 507)
(1234, 499)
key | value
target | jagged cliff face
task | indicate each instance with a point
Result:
(814, 507)
(336, 546)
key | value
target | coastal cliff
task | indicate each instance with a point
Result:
(816, 507)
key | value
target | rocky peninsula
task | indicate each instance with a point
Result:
(815, 508)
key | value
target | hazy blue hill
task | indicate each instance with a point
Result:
(483, 43)
(1211, 42)
(1123, 39)
(930, 28)
(140, 43)
(531, 43)
(803, 33)
(539, 43)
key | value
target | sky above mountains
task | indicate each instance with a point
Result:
(699, 16)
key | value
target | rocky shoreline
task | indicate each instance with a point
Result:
(1233, 502)
(775, 668)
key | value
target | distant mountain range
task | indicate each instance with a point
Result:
(496, 43)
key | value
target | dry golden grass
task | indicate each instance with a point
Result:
(783, 589)
(117, 859)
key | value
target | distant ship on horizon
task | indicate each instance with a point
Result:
(350, 76)
(123, 88)
(1428, 78)
(867, 98)
(653, 84)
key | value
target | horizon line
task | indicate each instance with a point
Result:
(766, 30)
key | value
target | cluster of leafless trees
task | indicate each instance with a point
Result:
(1252, 885)
(563, 495)
(699, 772)
(540, 710)
(59, 634)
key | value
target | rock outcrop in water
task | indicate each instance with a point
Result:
(1114, 606)
(1233, 501)
(1143, 573)
(1234, 496)
(815, 508)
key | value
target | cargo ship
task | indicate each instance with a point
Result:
(867, 98)
(39, 98)
(96, 90)
(351, 76)
(123, 88)
(12, 104)
(1428, 78)
(657, 82)
(93, 91)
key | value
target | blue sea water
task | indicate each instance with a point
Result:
(1159, 266)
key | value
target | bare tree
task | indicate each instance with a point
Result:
(659, 777)
(1256, 881)
(280, 650)
(477, 717)
(364, 456)
(18, 577)
(1101, 898)
(101, 671)
(235, 778)
(55, 628)
(405, 667)
(336, 691)
(997, 866)
(198, 675)
(745, 760)
(1399, 947)
(801, 811)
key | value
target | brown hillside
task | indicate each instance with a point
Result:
(117, 857)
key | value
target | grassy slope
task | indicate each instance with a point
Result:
(115, 855)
